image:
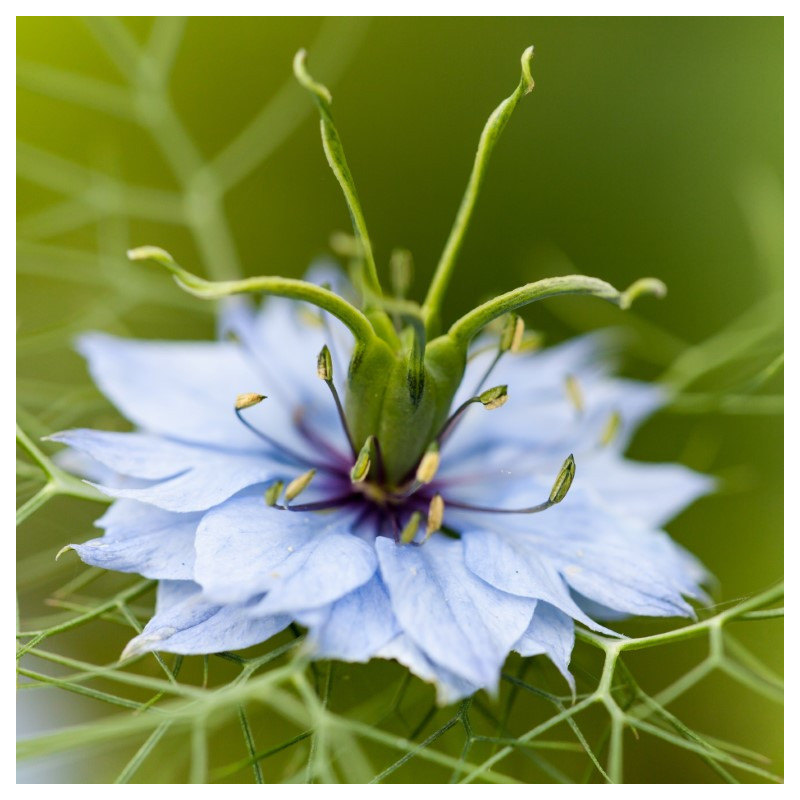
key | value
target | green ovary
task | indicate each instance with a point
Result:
(383, 401)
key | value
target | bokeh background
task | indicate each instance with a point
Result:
(648, 147)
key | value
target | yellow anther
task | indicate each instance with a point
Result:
(325, 364)
(563, 481)
(611, 428)
(513, 332)
(435, 515)
(361, 468)
(574, 392)
(273, 492)
(248, 399)
(299, 484)
(494, 397)
(429, 464)
(411, 527)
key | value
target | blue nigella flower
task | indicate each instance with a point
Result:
(421, 517)
(190, 509)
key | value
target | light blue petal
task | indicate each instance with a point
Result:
(450, 688)
(139, 455)
(501, 478)
(546, 425)
(355, 627)
(303, 560)
(513, 562)
(87, 467)
(590, 356)
(652, 493)
(187, 623)
(283, 339)
(197, 477)
(141, 538)
(606, 557)
(331, 564)
(551, 633)
(185, 390)
(457, 620)
(539, 417)
(214, 480)
(598, 610)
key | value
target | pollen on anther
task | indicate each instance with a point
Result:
(248, 399)
(574, 393)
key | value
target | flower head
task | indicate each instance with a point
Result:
(438, 498)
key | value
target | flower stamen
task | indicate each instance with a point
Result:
(282, 448)
(299, 484)
(428, 465)
(322, 505)
(273, 493)
(363, 464)
(611, 428)
(490, 399)
(559, 491)
(411, 527)
(435, 516)
(325, 373)
(574, 393)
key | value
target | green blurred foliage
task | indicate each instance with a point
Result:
(649, 146)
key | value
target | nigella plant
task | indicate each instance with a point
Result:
(339, 459)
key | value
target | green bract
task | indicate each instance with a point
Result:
(405, 369)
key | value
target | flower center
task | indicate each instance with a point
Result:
(399, 508)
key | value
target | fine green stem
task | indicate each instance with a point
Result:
(714, 624)
(247, 733)
(464, 329)
(58, 481)
(491, 133)
(141, 754)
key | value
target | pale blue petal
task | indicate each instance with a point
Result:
(539, 417)
(282, 339)
(215, 479)
(598, 610)
(514, 563)
(139, 455)
(500, 477)
(456, 619)
(545, 425)
(353, 628)
(294, 333)
(187, 623)
(87, 467)
(551, 633)
(590, 356)
(141, 538)
(332, 563)
(198, 477)
(303, 560)
(606, 557)
(450, 688)
(652, 493)
(185, 390)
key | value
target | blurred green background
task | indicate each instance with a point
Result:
(648, 147)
